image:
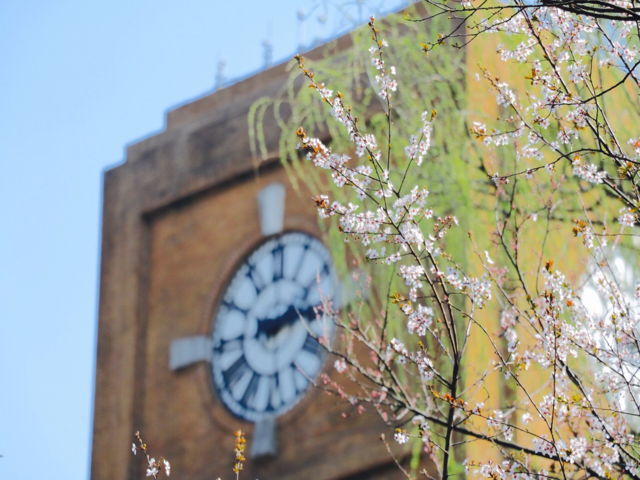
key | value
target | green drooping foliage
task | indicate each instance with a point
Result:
(436, 83)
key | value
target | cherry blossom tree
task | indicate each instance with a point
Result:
(554, 198)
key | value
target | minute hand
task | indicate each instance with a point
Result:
(272, 327)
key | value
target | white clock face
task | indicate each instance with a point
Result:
(261, 340)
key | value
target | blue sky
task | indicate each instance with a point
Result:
(78, 82)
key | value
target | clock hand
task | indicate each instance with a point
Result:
(271, 327)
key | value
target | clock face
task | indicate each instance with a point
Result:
(261, 340)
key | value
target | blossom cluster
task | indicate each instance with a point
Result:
(154, 467)
(565, 118)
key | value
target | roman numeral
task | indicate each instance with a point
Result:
(300, 380)
(311, 345)
(257, 280)
(235, 372)
(324, 272)
(301, 261)
(232, 306)
(278, 262)
(224, 346)
(286, 386)
(274, 393)
(251, 390)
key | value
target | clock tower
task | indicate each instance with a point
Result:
(212, 266)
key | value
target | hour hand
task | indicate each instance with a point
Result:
(271, 327)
